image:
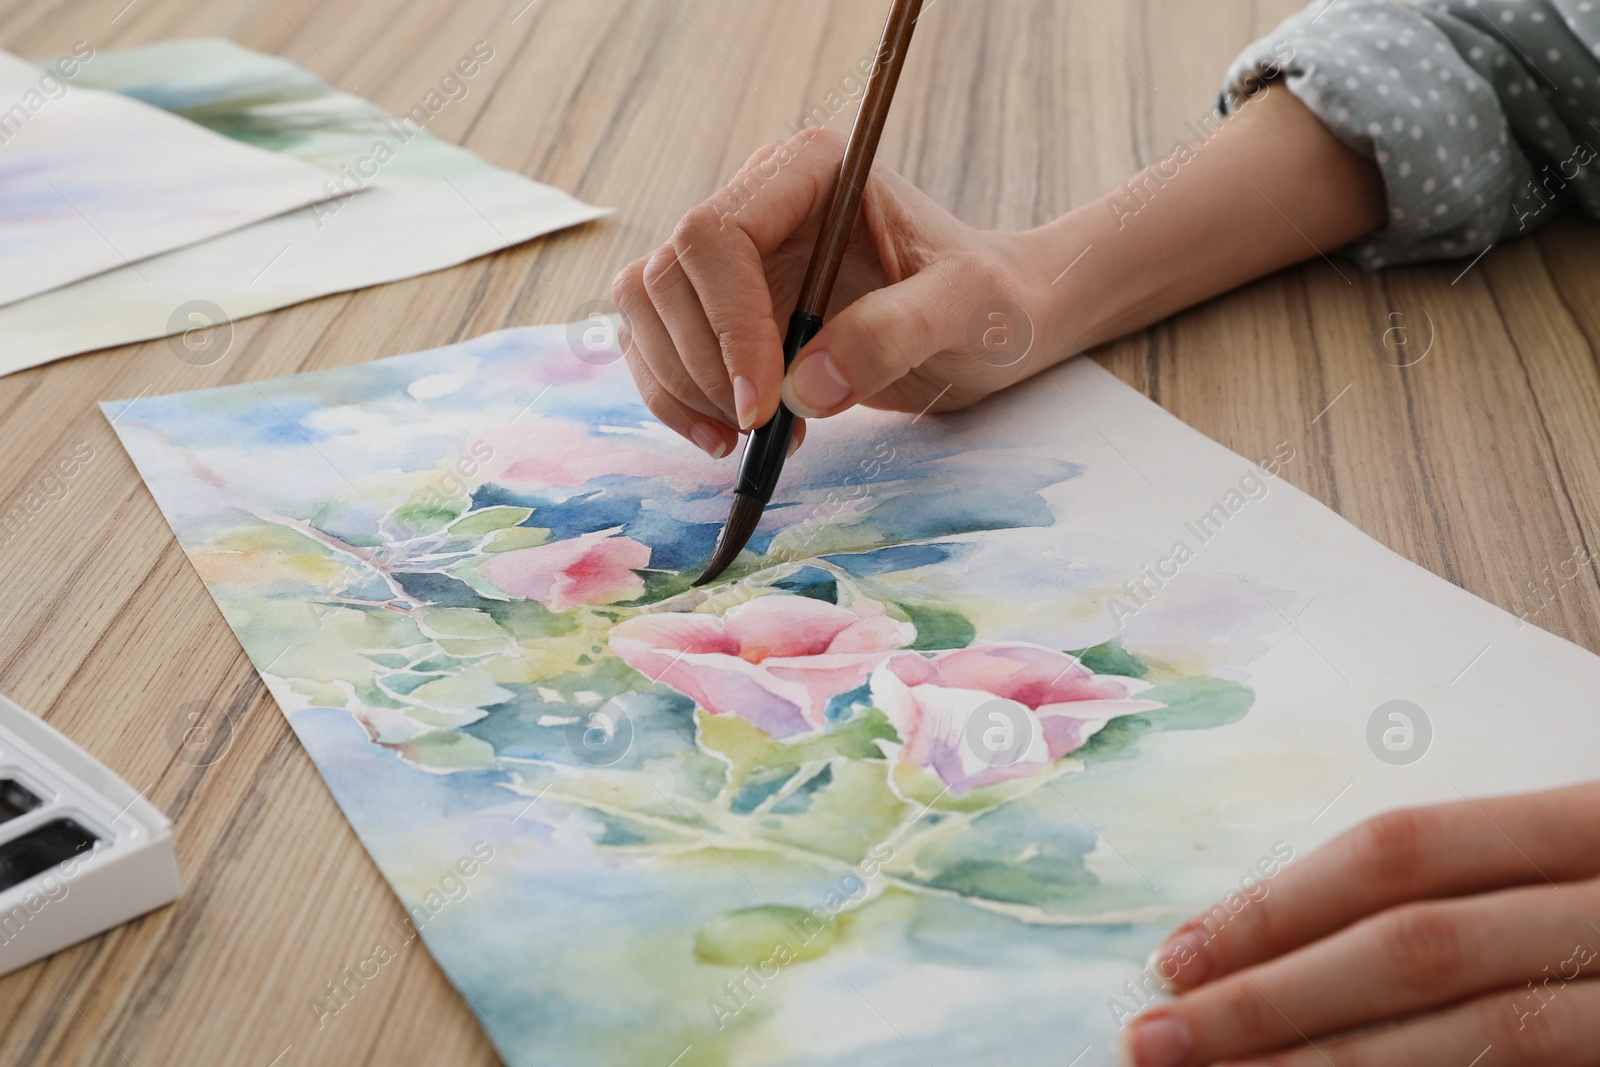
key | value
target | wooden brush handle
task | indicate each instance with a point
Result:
(840, 220)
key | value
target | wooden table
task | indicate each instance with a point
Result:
(1480, 462)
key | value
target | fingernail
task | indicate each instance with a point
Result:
(744, 401)
(1183, 962)
(794, 443)
(1155, 1041)
(709, 440)
(814, 386)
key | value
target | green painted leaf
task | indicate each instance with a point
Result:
(1199, 703)
(659, 585)
(938, 627)
(405, 682)
(460, 622)
(515, 537)
(856, 739)
(744, 745)
(1031, 851)
(617, 830)
(1112, 658)
(473, 688)
(1031, 882)
(799, 802)
(841, 811)
(467, 571)
(760, 786)
(417, 518)
(1192, 704)
(487, 520)
(748, 936)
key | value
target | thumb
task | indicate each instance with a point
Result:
(874, 343)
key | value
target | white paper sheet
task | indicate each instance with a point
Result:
(91, 181)
(427, 206)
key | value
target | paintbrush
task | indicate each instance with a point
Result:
(768, 445)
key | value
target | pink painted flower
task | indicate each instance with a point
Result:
(774, 661)
(991, 713)
(596, 568)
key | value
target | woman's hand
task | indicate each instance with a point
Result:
(1467, 933)
(928, 311)
(912, 321)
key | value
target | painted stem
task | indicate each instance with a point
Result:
(1020, 912)
(360, 555)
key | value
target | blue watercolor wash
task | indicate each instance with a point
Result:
(813, 582)
(379, 790)
(900, 558)
(842, 707)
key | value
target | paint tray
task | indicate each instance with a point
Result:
(80, 851)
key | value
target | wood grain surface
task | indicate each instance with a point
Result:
(1481, 462)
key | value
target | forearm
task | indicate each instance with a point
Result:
(1271, 187)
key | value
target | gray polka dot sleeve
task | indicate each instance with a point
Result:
(1481, 114)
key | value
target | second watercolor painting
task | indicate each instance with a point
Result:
(991, 701)
(397, 201)
(93, 181)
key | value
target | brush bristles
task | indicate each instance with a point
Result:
(742, 521)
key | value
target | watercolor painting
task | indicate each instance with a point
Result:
(977, 717)
(91, 181)
(396, 200)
